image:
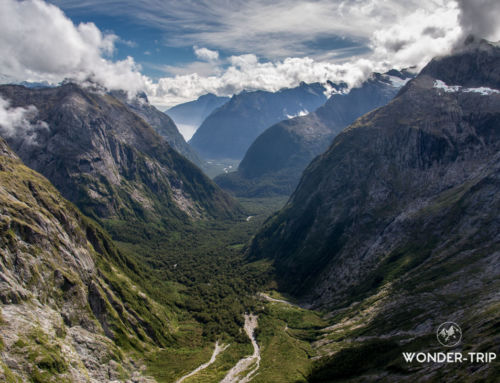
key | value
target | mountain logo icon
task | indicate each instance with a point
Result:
(449, 334)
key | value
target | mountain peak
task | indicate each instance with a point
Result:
(475, 63)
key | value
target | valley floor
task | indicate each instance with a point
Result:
(280, 341)
(237, 333)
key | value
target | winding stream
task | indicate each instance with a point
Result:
(217, 350)
(250, 363)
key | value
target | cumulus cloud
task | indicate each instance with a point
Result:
(272, 30)
(417, 36)
(246, 73)
(284, 37)
(40, 43)
(206, 54)
(17, 121)
(396, 36)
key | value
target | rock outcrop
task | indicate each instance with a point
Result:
(108, 160)
(160, 122)
(63, 314)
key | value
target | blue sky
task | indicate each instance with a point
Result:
(160, 37)
(177, 50)
(143, 42)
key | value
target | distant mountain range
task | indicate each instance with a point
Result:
(230, 130)
(276, 159)
(190, 115)
(395, 228)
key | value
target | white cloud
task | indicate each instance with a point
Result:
(40, 43)
(271, 30)
(397, 36)
(199, 67)
(417, 37)
(16, 121)
(246, 73)
(284, 37)
(206, 54)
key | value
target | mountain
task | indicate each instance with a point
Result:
(276, 159)
(230, 130)
(162, 123)
(190, 115)
(29, 84)
(69, 310)
(109, 161)
(395, 228)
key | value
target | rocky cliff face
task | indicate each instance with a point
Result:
(63, 313)
(230, 129)
(162, 123)
(108, 160)
(397, 223)
(276, 159)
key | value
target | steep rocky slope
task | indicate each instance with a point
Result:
(68, 311)
(109, 161)
(276, 159)
(190, 115)
(396, 227)
(160, 122)
(230, 129)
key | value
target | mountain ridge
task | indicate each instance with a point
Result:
(274, 162)
(162, 123)
(230, 129)
(109, 161)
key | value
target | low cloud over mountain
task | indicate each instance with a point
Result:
(372, 36)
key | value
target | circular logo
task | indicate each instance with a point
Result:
(449, 334)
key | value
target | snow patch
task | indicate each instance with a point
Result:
(303, 112)
(397, 82)
(438, 84)
(484, 91)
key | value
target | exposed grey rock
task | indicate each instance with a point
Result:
(108, 160)
(162, 123)
(55, 320)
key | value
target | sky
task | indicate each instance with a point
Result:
(177, 50)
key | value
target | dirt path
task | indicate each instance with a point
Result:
(217, 350)
(250, 363)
